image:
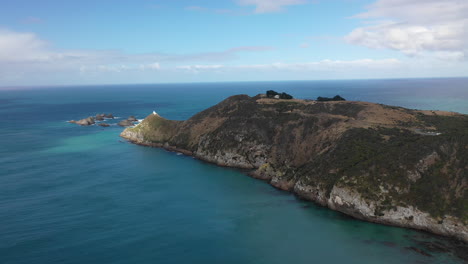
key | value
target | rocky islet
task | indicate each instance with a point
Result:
(92, 120)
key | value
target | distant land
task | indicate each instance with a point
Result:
(378, 163)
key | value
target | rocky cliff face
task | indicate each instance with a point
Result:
(374, 162)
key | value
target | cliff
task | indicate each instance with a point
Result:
(378, 163)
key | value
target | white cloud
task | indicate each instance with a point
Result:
(112, 68)
(151, 66)
(21, 46)
(416, 27)
(327, 65)
(25, 54)
(199, 67)
(323, 65)
(267, 6)
(28, 47)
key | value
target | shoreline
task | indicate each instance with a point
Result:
(305, 193)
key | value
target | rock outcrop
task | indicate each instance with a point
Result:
(84, 122)
(92, 120)
(101, 117)
(363, 159)
(132, 119)
(125, 123)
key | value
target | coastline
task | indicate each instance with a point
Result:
(317, 196)
(363, 159)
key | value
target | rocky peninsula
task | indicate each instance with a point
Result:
(378, 163)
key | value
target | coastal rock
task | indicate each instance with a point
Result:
(84, 122)
(110, 116)
(132, 119)
(103, 124)
(359, 158)
(125, 123)
(99, 117)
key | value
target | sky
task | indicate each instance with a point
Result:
(63, 42)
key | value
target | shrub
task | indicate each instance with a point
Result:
(285, 96)
(335, 98)
(272, 94)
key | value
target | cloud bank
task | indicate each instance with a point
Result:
(24, 54)
(416, 27)
(304, 67)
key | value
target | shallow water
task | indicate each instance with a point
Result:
(71, 194)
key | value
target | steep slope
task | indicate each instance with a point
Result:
(378, 163)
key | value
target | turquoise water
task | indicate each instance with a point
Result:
(71, 194)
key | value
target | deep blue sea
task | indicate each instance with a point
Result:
(71, 194)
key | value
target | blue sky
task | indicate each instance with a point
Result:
(53, 42)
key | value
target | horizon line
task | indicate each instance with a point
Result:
(26, 87)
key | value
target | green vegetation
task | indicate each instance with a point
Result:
(365, 156)
(446, 124)
(326, 99)
(273, 94)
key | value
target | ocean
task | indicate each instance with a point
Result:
(71, 194)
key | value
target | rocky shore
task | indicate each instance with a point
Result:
(363, 159)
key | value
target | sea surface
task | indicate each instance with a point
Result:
(71, 194)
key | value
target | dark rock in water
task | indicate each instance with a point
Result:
(109, 116)
(132, 118)
(455, 247)
(103, 124)
(434, 246)
(125, 123)
(389, 244)
(92, 120)
(420, 251)
(84, 122)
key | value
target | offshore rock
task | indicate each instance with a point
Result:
(84, 122)
(99, 117)
(132, 119)
(125, 123)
